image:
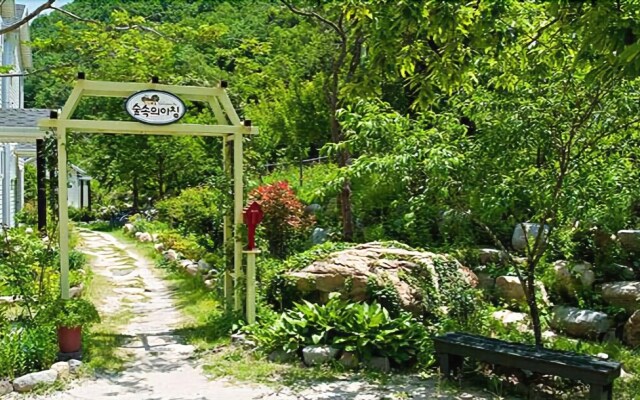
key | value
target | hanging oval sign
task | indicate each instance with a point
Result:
(155, 107)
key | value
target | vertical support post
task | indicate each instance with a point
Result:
(89, 194)
(63, 212)
(251, 285)
(7, 218)
(228, 227)
(41, 176)
(238, 200)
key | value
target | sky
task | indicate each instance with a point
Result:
(33, 4)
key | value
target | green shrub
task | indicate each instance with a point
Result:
(81, 214)
(26, 349)
(28, 215)
(69, 313)
(187, 245)
(197, 211)
(365, 329)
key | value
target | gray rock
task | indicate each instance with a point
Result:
(379, 364)
(128, 228)
(144, 237)
(580, 323)
(203, 265)
(491, 256)
(349, 360)
(313, 208)
(186, 263)
(62, 368)
(159, 247)
(572, 276)
(281, 357)
(530, 232)
(629, 239)
(625, 294)
(316, 355)
(319, 236)
(631, 332)
(74, 366)
(210, 283)
(27, 383)
(5, 388)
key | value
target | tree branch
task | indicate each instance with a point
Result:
(319, 17)
(46, 6)
(76, 17)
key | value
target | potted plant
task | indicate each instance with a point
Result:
(69, 316)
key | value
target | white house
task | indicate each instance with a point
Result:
(16, 57)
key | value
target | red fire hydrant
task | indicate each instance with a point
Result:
(252, 216)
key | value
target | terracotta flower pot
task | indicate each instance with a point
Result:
(69, 339)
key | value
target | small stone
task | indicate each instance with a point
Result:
(381, 364)
(74, 366)
(281, 357)
(186, 263)
(159, 247)
(210, 283)
(128, 228)
(62, 368)
(137, 235)
(76, 291)
(28, 382)
(170, 255)
(603, 356)
(192, 269)
(349, 360)
(240, 339)
(319, 354)
(144, 237)
(28, 231)
(466, 396)
(5, 388)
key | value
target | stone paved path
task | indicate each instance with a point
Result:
(163, 368)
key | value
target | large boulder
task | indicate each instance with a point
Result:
(631, 333)
(491, 256)
(572, 276)
(629, 239)
(580, 323)
(530, 232)
(624, 294)
(352, 271)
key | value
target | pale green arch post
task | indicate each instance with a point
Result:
(230, 128)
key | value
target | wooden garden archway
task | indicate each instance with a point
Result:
(229, 128)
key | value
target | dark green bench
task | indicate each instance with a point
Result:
(599, 374)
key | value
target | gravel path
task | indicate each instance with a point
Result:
(161, 367)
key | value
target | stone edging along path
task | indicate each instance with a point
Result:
(161, 367)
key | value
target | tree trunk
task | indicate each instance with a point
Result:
(533, 308)
(135, 192)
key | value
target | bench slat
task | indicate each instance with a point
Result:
(515, 355)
